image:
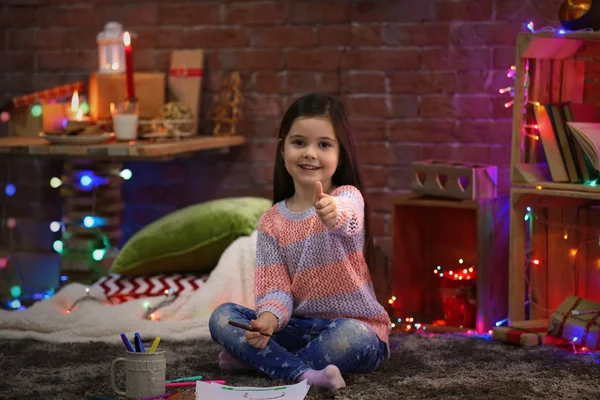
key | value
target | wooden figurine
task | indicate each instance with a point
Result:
(226, 109)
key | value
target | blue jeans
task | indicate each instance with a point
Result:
(305, 343)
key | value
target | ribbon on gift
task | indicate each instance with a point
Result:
(573, 313)
(182, 72)
(48, 94)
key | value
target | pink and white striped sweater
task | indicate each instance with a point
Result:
(306, 269)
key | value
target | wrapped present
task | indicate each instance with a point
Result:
(526, 337)
(43, 96)
(186, 73)
(578, 321)
(459, 301)
(111, 88)
(32, 113)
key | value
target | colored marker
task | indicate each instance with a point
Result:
(155, 344)
(139, 346)
(187, 379)
(160, 396)
(177, 384)
(246, 327)
(127, 343)
(175, 395)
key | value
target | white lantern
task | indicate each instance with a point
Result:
(111, 52)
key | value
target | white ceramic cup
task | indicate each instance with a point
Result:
(125, 120)
(125, 126)
(145, 374)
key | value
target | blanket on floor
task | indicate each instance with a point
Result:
(186, 317)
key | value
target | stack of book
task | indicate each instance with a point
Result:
(570, 135)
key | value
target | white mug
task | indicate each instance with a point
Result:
(145, 374)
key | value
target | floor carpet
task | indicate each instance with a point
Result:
(421, 367)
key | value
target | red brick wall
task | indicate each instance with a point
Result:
(420, 79)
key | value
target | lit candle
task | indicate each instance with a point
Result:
(129, 66)
(75, 118)
(72, 110)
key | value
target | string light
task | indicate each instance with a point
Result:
(55, 183)
(55, 226)
(126, 174)
(10, 190)
(36, 110)
(87, 297)
(151, 311)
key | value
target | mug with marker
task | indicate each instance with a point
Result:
(145, 370)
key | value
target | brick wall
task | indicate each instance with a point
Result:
(420, 79)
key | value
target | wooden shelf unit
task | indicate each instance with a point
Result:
(561, 68)
(428, 231)
(124, 151)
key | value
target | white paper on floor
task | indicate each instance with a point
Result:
(215, 391)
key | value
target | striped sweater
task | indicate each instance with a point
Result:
(306, 269)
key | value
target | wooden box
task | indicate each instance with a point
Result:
(454, 180)
(428, 232)
(554, 253)
(110, 88)
(23, 124)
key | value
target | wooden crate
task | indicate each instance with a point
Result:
(467, 181)
(555, 253)
(561, 68)
(427, 232)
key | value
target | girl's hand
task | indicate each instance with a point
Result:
(266, 323)
(325, 206)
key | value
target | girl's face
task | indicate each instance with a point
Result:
(311, 152)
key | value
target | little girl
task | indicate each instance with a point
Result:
(316, 314)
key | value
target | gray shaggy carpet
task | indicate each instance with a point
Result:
(421, 367)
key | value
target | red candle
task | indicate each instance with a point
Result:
(129, 66)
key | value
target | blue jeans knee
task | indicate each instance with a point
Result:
(224, 311)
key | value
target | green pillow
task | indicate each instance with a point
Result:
(191, 239)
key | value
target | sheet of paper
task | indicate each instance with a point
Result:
(214, 391)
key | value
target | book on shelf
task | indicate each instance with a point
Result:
(588, 136)
(570, 157)
(557, 168)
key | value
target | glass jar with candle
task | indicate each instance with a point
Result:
(111, 53)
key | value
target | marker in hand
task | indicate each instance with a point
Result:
(325, 206)
(246, 327)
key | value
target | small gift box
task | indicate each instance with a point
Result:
(459, 302)
(524, 333)
(111, 88)
(186, 74)
(578, 321)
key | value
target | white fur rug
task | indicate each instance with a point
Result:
(187, 317)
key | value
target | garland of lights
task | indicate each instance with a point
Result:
(150, 312)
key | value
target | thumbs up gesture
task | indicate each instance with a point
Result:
(325, 206)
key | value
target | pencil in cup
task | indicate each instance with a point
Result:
(246, 327)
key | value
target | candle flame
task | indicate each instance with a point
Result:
(79, 115)
(75, 101)
(126, 39)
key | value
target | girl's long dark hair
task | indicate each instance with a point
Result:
(348, 173)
